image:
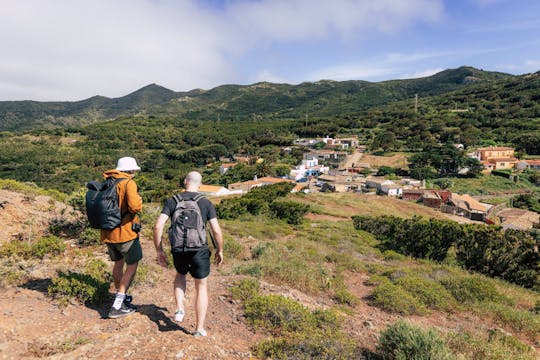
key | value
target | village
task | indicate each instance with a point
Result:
(340, 165)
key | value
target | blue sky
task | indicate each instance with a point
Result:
(74, 49)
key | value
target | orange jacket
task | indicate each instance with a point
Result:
(130, 203)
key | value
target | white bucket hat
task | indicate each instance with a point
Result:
(127, 164)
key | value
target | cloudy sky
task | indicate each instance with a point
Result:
(74, 49)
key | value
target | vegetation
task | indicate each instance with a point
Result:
(297, 332)
(50, 245)
(509, 254)
(403, 341)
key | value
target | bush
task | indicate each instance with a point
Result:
(403, 341)
(72, 286)
(318, 345)
(89, 237)
(395, 299)
(429, 292)
(470, 289)
(52, 245)
(290, 211)
(232, 248)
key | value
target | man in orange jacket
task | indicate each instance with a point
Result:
(123, 241)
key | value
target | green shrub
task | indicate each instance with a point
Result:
(395, 299)
(72, 286)
(391, 255)
(98, 269)
(345, 297)
(429, 292)
(278, 313)
(260, 249)
(89, 237)
(290, 211)
(470, 289)
(245, 289)
(403, 341)
(316, 345)
(254, 269)
(61, 226)
(232, 248)
(16, 247)
(52, 245)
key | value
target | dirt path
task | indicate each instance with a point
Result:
(32, 326)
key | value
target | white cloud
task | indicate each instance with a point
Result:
(351, 72)
(73, 49)
(420, 74)
(527, 66)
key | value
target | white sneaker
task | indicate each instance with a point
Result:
(199, 333)
(179, 315)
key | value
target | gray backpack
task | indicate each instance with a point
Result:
(187, 231)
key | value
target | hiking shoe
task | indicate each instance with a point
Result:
(123, 311)
(127, 301)
(199, 333)
(179, 315)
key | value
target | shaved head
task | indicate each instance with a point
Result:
(193, 181)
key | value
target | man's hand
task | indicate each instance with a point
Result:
(162, 258)
(218, 258)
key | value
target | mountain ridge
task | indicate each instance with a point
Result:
(230, 101)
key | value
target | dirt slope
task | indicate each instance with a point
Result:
(33, 326)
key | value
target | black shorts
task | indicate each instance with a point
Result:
(197, 263)
(130, 251)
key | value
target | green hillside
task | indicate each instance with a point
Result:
(318, 99)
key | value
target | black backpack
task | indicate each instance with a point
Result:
(188, 230)
(102, 204)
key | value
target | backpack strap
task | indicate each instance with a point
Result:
(115, 183)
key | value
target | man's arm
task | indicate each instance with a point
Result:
(158, 233)
(218, 236)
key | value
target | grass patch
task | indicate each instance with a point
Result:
(232, 248)
(298, 333)
(498, 346)
(471, 289)
(50, 245)
(485, 185)
(519, 320)
(42, 349)
(30, 189)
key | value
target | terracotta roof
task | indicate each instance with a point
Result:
(533, 162)
(228, 165)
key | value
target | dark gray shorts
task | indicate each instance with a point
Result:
(197, 263)
(130, 251)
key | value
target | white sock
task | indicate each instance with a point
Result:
(118, 300)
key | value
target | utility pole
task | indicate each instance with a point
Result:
(306, 120)
(415, 103)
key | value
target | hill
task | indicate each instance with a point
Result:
(268, 100)
(317, 281)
